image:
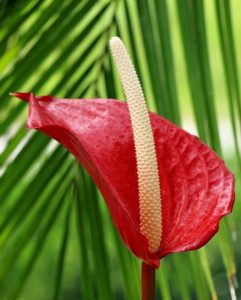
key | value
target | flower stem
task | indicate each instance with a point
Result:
(148, 282)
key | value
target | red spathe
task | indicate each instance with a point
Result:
(196, 187)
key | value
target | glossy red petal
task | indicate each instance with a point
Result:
(197, 189)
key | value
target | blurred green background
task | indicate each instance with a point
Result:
(57, 240)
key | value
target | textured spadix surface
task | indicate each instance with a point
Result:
(147, 170)
(196, 187)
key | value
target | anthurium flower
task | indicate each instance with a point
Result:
(166, 190)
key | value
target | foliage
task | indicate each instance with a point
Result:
(56, 237)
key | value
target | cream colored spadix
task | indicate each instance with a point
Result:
(148, 178)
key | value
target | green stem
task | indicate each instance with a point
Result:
(148, 282)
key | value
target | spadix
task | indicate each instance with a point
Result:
(147, 169)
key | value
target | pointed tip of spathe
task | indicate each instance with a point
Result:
(22, 96)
